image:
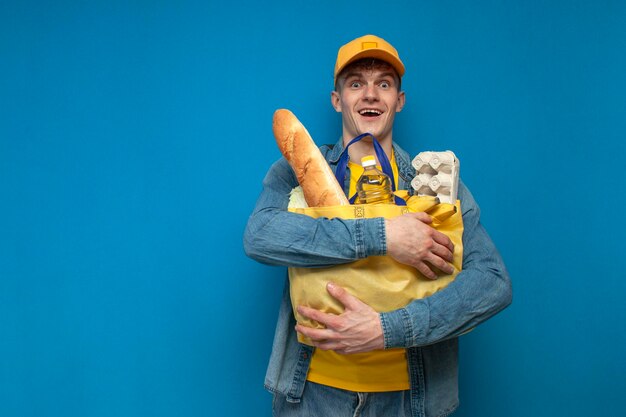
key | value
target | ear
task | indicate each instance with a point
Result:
(335, 100)
(401, 101)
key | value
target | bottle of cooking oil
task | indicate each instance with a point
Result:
(374, 186)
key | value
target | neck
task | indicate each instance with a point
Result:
(365, 147)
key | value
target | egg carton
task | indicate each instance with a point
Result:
(437, 175)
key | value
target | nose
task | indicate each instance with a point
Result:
(370, 92)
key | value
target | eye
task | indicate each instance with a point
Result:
(385, 84)
(355, 84)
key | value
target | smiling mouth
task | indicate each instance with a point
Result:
(370, 112)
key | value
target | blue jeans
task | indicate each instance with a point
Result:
(324, 401)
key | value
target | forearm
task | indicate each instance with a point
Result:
(278, 237)
(479, 291)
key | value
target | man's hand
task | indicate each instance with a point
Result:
(356, 330)
(411, 241)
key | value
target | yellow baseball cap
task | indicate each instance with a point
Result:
(368, 46)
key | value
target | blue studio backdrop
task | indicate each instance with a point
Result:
(134, 136)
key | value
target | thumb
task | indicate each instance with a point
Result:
(423, 217)
(349, 301)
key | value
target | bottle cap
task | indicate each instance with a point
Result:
(368, 161)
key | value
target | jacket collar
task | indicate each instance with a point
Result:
(335, 152)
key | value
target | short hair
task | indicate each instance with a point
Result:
(367, 64)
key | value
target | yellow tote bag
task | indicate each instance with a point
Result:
(379, 281)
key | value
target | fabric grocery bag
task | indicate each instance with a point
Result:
(379, 281)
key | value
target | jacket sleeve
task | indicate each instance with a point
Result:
(276, 236)
(480, 290)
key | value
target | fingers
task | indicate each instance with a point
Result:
(326, 319)
(434, 259)
(440, 264)
(443, 240)
(425, 270)
(411, 240)
(443, 252)
(355, 332)
(421, 216)
(323, 339)
(349, 301)
(437, 261)
(316, 335)
(357, 329)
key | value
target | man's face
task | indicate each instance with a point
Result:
(368, 99)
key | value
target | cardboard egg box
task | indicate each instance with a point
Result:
(437, 175)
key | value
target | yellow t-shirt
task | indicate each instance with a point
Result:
(377, 371)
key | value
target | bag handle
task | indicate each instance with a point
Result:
(342, 164)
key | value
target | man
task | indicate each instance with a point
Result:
(397, 363)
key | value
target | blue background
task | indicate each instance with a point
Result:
(133, 140)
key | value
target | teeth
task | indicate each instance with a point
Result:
(364, 111)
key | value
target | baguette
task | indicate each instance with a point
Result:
(317, 180)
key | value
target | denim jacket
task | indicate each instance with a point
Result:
(428, 328)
